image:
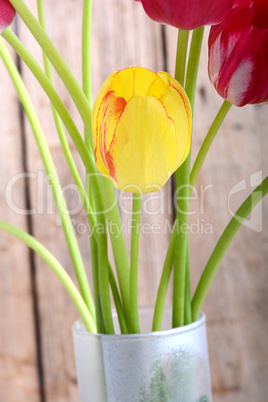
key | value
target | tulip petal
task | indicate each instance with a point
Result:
(188, 14)
(176, 111)
(98, 104)
(238, 54)
(110, 111)
(144, 146)
(178, 108)
(7, 14)
(137, 81)
(260, 18)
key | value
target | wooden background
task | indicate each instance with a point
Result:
(36, 352)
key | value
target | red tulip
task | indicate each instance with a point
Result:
(7, 14)
(238, 54)
(188, 14)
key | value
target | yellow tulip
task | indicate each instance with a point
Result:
(141, 129)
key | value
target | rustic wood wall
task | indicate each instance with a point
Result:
(36, 353)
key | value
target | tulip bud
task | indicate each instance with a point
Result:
(238, 54)
(141, 129)
(187, 14)
(7, 14)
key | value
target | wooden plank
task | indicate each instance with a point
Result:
(18, 356)
(236, 304)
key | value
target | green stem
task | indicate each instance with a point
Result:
(73, 169)
(95, 277)
(163, 286)
(64, 143)
(104, 280)
(182, 192)
(100, 260)
(182, 46)
(60, 108)
(58, 104)
(187, 304)
(134, 262)
(87, 88)
(101, 280)
(194, 174)
(12, 39)
(87, 158)
(193, 64)
(57, 269)
(103, 262)
(226, 106)
(223, 244)
(181, 239)
(118, 244)
(53, 177)
(86, 77)
(117, 302)
(86, 50)
(57, 61)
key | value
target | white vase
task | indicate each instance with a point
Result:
(170, 366)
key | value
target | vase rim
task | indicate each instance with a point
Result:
(79, 329)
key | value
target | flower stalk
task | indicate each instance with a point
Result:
(182, 177)
(224, 242)
(182, 46)
(53, 177)
(118, 245)
(56, 60)
(134, 262)
(43, 80)
(57, 268)
(206, 144)
(86, 54)
(64, 143)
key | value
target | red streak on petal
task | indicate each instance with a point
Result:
(112, 108)
(111, 166)
(189, 117)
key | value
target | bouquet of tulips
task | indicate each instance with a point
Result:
(136, 136)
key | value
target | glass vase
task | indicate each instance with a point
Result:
(169, 365)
